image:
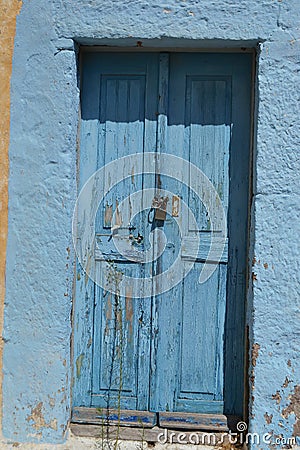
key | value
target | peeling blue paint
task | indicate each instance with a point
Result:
(42, 192)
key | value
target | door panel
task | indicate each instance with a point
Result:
(199, 325)
(118, 119)
(208, 111)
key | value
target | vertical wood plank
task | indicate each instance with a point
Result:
(84, 288)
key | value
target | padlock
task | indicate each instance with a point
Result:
(160, 208)
(160, 214)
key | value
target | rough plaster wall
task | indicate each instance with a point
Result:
(8, 12)
(44, 112)
(277, 210)
(44, 109)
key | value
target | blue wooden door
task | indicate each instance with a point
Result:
(112, 343)
(207, 109)
(164, 353)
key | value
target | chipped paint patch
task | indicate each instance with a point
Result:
(294, 408)
(129, 310)
(277, 397)
(118, 216)
(287, 381)
(175, 205)
(268, 418)
(38, 419)
(108, 314)
(79, 362)
(108, 215)
(255, 349)
(254, 356)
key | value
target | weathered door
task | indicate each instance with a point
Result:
(162, 353)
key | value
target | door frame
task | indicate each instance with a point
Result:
(83, 419)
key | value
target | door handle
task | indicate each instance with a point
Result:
(134, 239)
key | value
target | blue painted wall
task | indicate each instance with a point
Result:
(42, 192)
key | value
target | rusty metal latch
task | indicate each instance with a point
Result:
(159, 207)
